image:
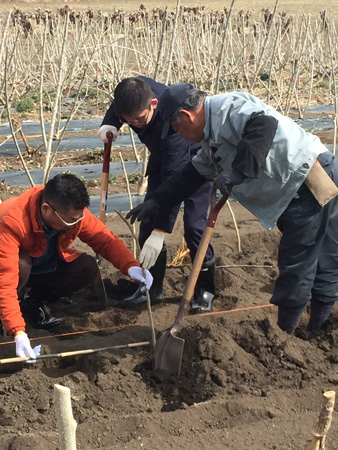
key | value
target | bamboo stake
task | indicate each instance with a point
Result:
(66, 423)
(19, 359)
(324, 421)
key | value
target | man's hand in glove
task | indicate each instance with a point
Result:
(223, 182)
(23, 345)
(102, 133)
(143, 212)
(152, 248)
(136, 273)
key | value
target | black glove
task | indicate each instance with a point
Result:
(223, 182)
(144, 212)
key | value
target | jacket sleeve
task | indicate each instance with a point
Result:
(111, 118)
(179, 187)
(255, 144)
(10, 312)
(175, 155)
(94, 233)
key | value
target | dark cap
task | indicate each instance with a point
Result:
(172, 98)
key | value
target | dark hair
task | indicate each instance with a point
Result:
(67, 191)
(132, 95)
(191, 104)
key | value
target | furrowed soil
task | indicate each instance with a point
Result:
(244, 384)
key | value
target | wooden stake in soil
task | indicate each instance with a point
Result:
(324, 422)
(66, 423)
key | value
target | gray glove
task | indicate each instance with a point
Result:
(152, 248)
(223, 182)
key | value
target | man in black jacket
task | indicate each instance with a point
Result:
(135, 103)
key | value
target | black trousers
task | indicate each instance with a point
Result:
(308, 251)
(64, 281)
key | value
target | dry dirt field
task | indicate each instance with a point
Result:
(244, 384)
(291, 6)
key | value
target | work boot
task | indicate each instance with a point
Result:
(320, 312)
(205, 289)
(34, 312)
(288, 318)
(156, 290)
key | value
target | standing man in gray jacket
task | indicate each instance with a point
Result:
(278, 171)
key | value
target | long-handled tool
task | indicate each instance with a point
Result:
(98, 282)
(169, 348)
(105, 177)
(73, 353)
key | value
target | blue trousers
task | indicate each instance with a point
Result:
(308, 250)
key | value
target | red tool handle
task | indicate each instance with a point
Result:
(105, 177)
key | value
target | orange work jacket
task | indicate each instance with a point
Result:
(21, 230)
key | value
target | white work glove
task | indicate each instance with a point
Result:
(102, 133)
(136, 273)
(23, 346)
(37, 351)
(152, 248)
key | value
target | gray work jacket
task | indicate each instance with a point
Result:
(289, 160)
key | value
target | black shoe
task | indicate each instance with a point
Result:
(140, 297)
(288, 318)
(205, 289)
(36, 315)
(320, 313)
(202, 303)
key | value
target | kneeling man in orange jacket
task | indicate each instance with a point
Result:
(36, 231)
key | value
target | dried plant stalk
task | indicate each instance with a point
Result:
(152, 328)
(135, 242)
(236, 227)
(182, 254)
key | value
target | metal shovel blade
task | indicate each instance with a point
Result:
(168, 353)
(169, 348)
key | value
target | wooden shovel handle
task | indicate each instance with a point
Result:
(198, 262)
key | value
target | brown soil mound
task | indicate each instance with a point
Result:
(244, 384)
